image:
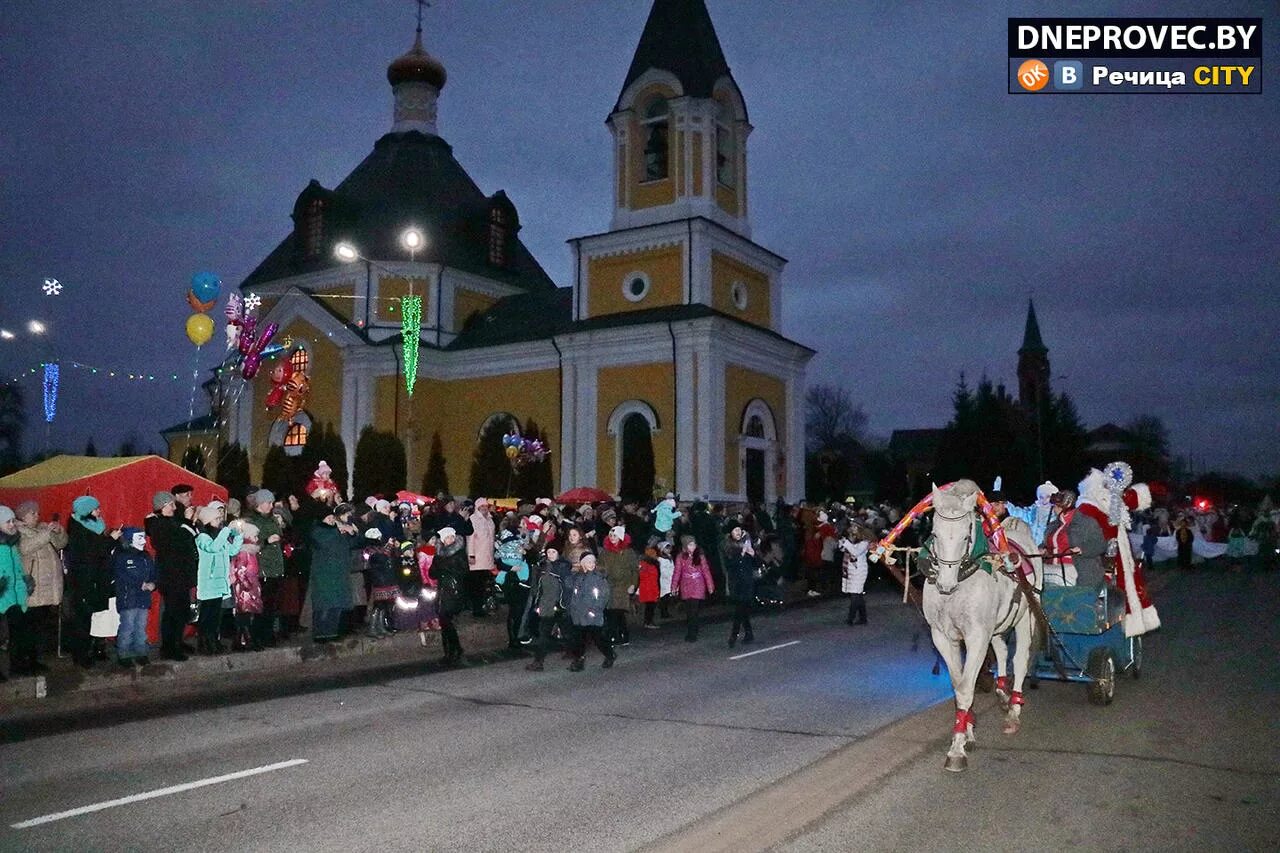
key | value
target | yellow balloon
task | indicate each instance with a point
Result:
(199, 329)
(512, 453)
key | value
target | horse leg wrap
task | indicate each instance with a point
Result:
(1002, 683)
(1016, 698)
(964, 719)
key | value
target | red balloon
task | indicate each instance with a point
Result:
(197, 305)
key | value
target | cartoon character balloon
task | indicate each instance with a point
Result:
(289, 392)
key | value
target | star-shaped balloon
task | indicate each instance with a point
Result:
(252, 302)
(52, 287)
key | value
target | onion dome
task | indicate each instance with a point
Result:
(417, 65)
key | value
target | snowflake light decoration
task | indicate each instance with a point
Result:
(252, 302)
(52, 287)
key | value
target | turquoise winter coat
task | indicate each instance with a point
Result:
(213, 575)
(15, 586)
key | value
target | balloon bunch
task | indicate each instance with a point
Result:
(289, 391)
(242, 333)
(523, 451)
(205, 288)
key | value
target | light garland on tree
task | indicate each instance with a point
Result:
(410, 330)
(51, 375)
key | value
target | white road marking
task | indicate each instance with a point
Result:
(162, 792)
(762, 651)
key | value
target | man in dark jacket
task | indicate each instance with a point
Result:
(174, 541)
(741, 566)
(449, 570)
(706, 531)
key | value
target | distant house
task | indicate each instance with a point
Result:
(1108, 443)
(915, 451)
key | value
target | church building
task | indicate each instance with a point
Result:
(660, 366)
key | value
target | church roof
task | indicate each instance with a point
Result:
(409, 178)
(539, 316)
(679, 37)
(1031, 340)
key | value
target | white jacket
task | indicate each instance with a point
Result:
(854, 577)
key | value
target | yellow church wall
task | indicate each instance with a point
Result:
(458, 409)
(391, 289)
(652, 384)
(724, 272)
(466, 303)
(741, 386)
(727, 199)
(324, 403)
(665, 268)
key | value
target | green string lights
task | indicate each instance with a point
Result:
(410, 330)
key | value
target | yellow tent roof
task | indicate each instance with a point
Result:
(61, 469)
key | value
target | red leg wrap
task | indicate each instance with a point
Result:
(1016, 698)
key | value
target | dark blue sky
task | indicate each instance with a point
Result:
(919, 204)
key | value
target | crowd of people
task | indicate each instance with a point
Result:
(250, 573)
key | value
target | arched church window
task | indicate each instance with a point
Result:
(296, 436)
(656, 122)
(726, 149)
(300, 360)
(497, 237)
(313, 228)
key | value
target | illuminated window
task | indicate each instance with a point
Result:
(296, 436)
(655, 123)
(301, 360)
(497, 237)
(313, 228)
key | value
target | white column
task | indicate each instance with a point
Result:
(689, 368)
(586, 442)
(795, 389)
(568, 426)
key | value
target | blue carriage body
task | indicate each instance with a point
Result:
(1085, 619)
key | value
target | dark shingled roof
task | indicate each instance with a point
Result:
(409, 178)
(205, 423)
(1031, 341)
(539, 316)
(679, 37)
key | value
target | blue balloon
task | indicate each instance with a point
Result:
(206, 286)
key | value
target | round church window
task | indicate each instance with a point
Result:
(635, 286)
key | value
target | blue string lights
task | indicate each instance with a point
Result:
(51, 375)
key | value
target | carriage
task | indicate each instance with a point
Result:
(1086, 642)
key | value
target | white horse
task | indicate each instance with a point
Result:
(963, 603)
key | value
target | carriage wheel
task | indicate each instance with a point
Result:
(1101, 669)
(1135, 650)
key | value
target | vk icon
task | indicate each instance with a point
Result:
(1068, 74)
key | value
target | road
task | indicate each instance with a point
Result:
(832, 742)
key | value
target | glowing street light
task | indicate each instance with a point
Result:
(35, 327)
(346, 253)
(412, 239)
(7, 335)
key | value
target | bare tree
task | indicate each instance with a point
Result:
(831, 418)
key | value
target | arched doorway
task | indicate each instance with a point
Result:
(632, 425)
(491, 473)
(758, 453)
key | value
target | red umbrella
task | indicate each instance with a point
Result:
(584, 495)
(405, 496)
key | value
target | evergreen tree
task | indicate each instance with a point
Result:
(436, 480)
(1149, 449)
(336, 455)
(13, 420)
(193, 460)
(1065, 439)
(91, 449)
(233, 470)
(491, 474)
(280, 473)
(380, 464)
(534, 480)
(129, 447)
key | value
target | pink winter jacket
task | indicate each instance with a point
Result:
(692, 580)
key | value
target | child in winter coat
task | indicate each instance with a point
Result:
(135, 575)
(382, 580)
(854, 545)
(587, 602)
(648, 582)
(513, 579)
(666, 571)
(428, 609)
(216, 546)
(246, 587)
(551, 592)
(692, 583)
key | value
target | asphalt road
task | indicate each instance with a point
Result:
(484, 758)
(815, 745)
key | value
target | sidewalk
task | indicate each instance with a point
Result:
(300, 656)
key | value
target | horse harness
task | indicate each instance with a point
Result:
(975, 556)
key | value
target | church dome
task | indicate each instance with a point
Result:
(417, 65)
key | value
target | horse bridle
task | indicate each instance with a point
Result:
(967, 564)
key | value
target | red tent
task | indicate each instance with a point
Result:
(124, 486)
